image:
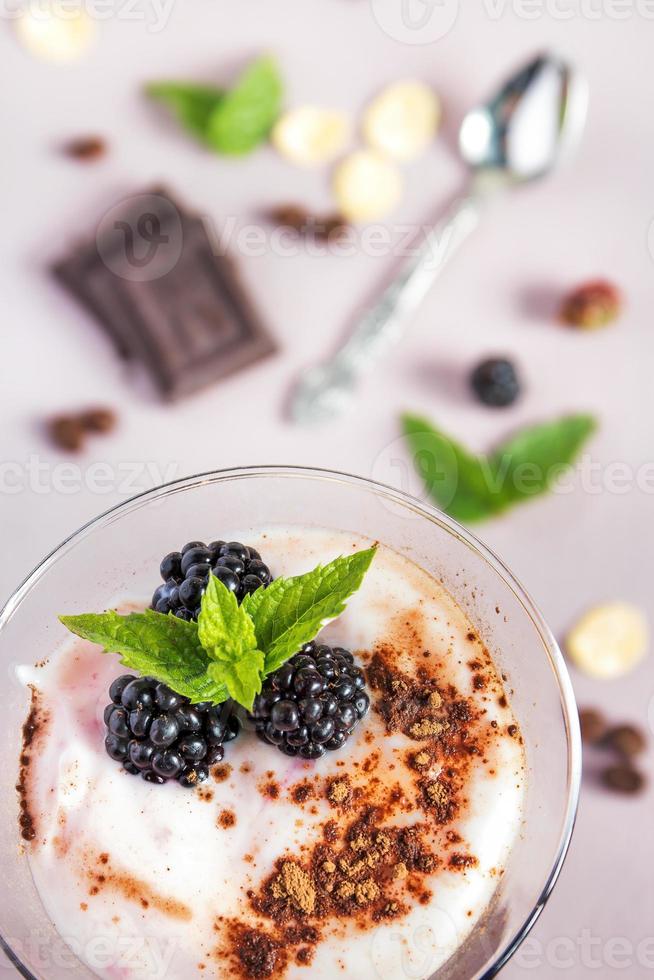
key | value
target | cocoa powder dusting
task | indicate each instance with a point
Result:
(353, 878)
(426, 728)
(295, 886)
(302, 792)
(460, 862)
(412, 705)
(339, 792)
(103, 876)
(256, 954)
(368, 867)
(222, 772)
(33, 731)
(438, 798)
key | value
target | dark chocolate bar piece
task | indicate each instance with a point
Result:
(152, 280)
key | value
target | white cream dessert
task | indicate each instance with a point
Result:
(373, 860)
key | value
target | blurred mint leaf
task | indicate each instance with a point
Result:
(454, 478)
(291, 611)
(162, 646)
(529, 463)
(192, 104)
(244, 117)
(473, 488)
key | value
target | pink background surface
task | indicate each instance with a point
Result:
(591, 219)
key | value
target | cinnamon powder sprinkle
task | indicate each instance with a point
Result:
(339, 791)
(408, 704)
(134, 890)
(294, 884)
(257, 955)
(460, 862)
(302, 792)
(226, 819)
(222, 772)
(354, 878)
(421, 760)
(33, 730)
(369, 866)
(426, 728)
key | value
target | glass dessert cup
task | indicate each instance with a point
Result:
(117, 554)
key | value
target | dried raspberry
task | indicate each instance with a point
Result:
(595, 304)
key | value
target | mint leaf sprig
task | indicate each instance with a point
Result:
(232, 122)
(231, 649)
(472, 487)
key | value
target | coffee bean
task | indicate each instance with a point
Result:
(593, 725)
(625, 739)
(623, 779)
(67, 432)
(86, 148)
(98, 420)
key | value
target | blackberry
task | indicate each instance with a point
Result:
(495, 382)
(158, 734)
(185, 574)
(312, 704)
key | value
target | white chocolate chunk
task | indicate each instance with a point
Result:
(609, 640)
(54, 33)
(367, 186)
(402, 120)
(310, 135)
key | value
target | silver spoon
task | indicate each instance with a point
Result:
(521, 134)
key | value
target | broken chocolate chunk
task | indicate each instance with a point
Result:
(152, 280)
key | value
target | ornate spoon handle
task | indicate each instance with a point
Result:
(326, 389)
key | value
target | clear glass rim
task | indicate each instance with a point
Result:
(427, 512)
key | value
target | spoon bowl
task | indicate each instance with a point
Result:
(530, 125)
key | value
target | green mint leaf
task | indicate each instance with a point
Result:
(454, 478)
(225, 630)
(529, 463)
(472, 488)
(291, 611)
(193, 105)
(244, 117)
(162, 646)
(242, 678)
